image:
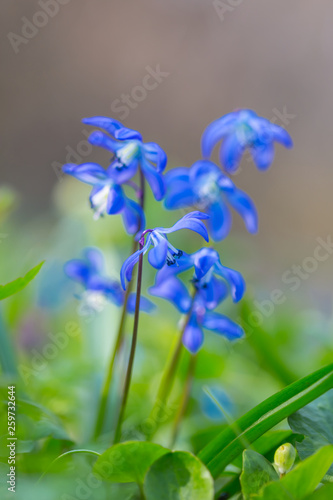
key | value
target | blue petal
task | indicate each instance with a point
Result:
(120, 173)
(127, 267)
(222, 325)
(213, 293)
(113, 127)
(95, 258)
(116, 200)
(90, 173)
(145, 304)
(243, 204)
(220, 220)
(158, 254)
(154, 179)
(263, 155)
(190, 221)
(133, 217)
(179, 190)
(234, 279)
(204, 260)
(201, 169)
(77, 270)
(183, 263)
(155, 154)
(111, 289)
(173, 290)
(215, 131)
(231, 152)
(281, 135)
(102, 140)
(193, 335)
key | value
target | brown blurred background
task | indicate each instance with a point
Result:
(275, 57)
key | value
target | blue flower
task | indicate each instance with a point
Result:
(129, 152)
(107, 197)
(207, 188)
(88, 271)
(163, 252)
(210, 291)
(212, 281)
(240, 130)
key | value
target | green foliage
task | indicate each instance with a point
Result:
(257, 471)
(20, 283)
(178, 476)
(302, 480)
(229, 444)
(315, 421)
(128, 462)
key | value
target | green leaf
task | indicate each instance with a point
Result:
(315, 421)
(20, 283)
(128, 462)
(257, 471)
(302, 480)
(229, 443)
(178, 476)
(267, 444)
(322, 493)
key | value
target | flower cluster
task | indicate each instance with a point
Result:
(203, 186)
(129, 155)
(212, 283)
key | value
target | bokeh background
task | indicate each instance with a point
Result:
(275, 57)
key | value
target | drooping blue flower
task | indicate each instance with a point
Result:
(98, 289)
(207, 188)
(210, 291)
(130, 153)
(212, 281)
(240, 130)
(216, 404)
(108, 197)
(163, 252)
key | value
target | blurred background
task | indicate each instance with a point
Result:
(274, 57)
(166, 68)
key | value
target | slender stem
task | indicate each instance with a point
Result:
(185, 398)
(115, 350)
(168, 378)
(132, 352)
(120, 335)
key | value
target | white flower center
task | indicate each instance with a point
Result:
(99, 201)
(126, 154)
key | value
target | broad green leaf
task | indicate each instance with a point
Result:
(20, 283)
(229, 443)
(178, 476)
(128, 462)
(302, 480)
(315, 421)
(257, 471)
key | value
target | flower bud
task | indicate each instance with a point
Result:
(284, 458)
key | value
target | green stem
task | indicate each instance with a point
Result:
(168, 378)
(120, 335)
(132, 352)
(115, 350)
(185, 398)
